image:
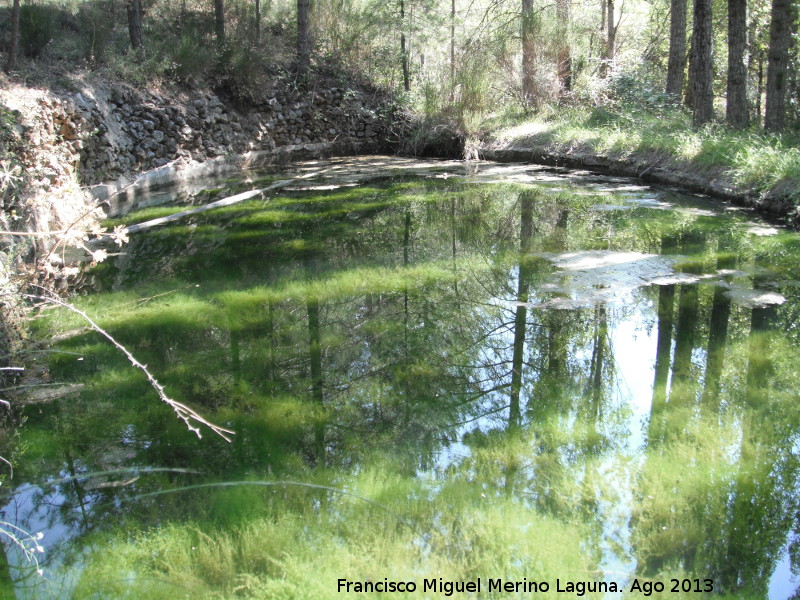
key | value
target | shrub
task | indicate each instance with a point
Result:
(193, 55)
(96, 27)
(37, 25)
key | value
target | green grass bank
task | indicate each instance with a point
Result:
(748, 167)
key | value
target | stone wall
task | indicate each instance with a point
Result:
(115, 132)
(109, 133)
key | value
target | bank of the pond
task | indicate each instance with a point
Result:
(68, 145)
(638, 153)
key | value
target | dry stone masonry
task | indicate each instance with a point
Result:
(119, 131)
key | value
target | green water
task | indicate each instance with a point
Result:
(511, 374)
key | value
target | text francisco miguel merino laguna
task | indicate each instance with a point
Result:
(448, 588)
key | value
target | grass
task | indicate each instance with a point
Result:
(753, 160)
(275, 550)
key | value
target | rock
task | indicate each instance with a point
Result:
(68, 130)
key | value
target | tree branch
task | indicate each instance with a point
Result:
(192, 419)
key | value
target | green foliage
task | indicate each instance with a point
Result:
(96, 27)
(240, 69)
(193, 55)
(37, 26)
(640, 92)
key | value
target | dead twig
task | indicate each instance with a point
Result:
(192, 419)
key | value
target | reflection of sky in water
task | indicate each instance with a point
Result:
(783, 583)
(625, 283)
(35, 511)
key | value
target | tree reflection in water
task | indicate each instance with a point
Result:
(428, 342)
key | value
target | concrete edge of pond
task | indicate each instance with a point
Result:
(120, 195)
(775, 204)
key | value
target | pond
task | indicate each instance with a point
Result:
(486, 381)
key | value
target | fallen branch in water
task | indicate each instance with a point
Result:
(192, 419)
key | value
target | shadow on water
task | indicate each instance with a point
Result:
(591, 384)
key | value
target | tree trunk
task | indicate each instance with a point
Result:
(603, 71)
(612, 35)
(715, 352)
(666, 303)
(777, 63)
(521, 312)
(219, 20)
(403, 49)
(688, 98)
(258, 21)
(13, 47)
(702, 64)
(736, 105)
(563, 54)
(528, 66)
(134, 8)
(676, 66)
(452, 50)
(760, 93)
(303, 36)
(317, 392)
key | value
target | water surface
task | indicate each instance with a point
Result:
(433, 371)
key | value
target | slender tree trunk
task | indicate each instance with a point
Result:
(528, 64)
(317, 394)
(521, 312)
(599, 350)
(303, 36)
(13, 47)
(134, 8)
(219, 20)
(603, 71)
(685, 327)
(676, 66)
(563, 54)
(258, 21)
(688, 98)
(718, 335)
(452, 50)
(403, 48)
(666, 303)
(736, 113)
(780, 32)
(760, 85)
(612, 35)
(702, 64)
